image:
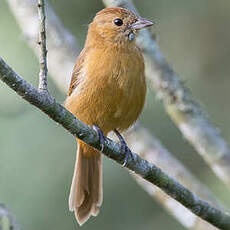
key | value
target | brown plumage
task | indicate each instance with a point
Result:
(108, 90)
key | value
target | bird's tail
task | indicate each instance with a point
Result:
(86, 190)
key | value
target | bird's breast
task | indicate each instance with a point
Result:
(113, 92)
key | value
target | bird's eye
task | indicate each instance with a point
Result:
(118, 22)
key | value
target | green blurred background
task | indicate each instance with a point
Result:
(37, 156)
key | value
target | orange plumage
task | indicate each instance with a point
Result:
(108, 90)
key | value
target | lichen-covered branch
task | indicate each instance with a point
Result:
(42, 45)
(135, 163)
(181, 106)
(152, 150)
(7, 220)
(63, 47)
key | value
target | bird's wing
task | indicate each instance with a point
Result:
(77, 71)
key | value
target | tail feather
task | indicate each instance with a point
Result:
(86, 190)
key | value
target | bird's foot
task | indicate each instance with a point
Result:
(124, 148)
(101, 136)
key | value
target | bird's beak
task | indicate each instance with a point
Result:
(141, 23)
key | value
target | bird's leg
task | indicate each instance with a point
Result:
(124, 148)
(101, 136)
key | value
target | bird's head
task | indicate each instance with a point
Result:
(117, 25)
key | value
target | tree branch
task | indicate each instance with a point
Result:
(42, 45)
(145, 169)
(152, 150)
(180, 105)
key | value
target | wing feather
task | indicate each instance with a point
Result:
(76, 75)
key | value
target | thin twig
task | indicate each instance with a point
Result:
(145, 169)
(42, 44)
(63, 47)
(180, 105)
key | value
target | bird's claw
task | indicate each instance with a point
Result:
(101, 136)
(124, 148)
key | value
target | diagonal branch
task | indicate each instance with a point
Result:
(180, 105)
(152, 150)
(145, 169)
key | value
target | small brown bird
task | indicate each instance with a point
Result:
(107, 91)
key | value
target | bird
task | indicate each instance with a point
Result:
(107, 91)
